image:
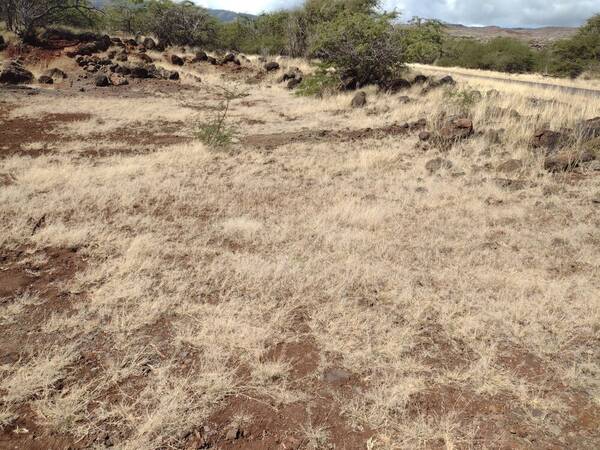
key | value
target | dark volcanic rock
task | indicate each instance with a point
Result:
(271, 66)
(149, 43)
(200, 56)
(548, 139)
(176, 60)
(396, 85)
(359, 100)
(44, 79)
(139, 72)
(13, 72)
(455, 129)
(102, 81)
(294, 83)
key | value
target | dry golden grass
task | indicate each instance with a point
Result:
(217, 257)
(532, 77)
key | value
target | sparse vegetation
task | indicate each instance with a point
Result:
(405, 268)
(216, 132)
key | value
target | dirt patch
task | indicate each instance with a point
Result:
(18, 132)
(272, 141)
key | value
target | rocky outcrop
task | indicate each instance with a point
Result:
(13, 72)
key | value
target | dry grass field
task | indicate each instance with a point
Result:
(315, 285)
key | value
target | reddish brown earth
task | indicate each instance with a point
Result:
(46, 271)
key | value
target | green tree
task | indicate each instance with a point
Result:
(571, 57)
(422, 40)
(360, 45)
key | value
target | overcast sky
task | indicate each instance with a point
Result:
(513, 13)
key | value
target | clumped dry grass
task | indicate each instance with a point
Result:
(199, 263)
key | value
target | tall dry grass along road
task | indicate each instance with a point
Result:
(577, 86)
(421, 272)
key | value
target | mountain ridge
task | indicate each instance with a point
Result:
(224, 15)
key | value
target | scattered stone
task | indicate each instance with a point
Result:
(420, 79)
(424, 136)
(13, 72)
(176, 60)
(200, 56)
(139, 72)
(447, 80)
(212, 61)
(122, 57)
(118, 80)
(456, 129)
(510, 166)
(396, 85)
(173, 75)
(292, 74)
(91, 68)
(548, 139)
(149, 43)
(336, 375)
(565, 161)
(437, 164)
(228, 58)
(294, 83)
(145, 58)
(359, 100)
(102, 81)
(3, 44)
(44, 79)
(271, 66)
(55, 74)
(418, 125)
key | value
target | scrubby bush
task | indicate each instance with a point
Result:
(266, 34)
(324, 81)
(363, 46)
(180, 23)
(422, 41)
(24, 17)
(499, 54)
(571, 57)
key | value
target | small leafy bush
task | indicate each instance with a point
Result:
(462, 99)
(323, 82)
(216, 133)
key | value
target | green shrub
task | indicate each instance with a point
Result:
(499, 54)
(362, 46)
(422, 41)
(462, 99)
(319, 84)
(216, 132)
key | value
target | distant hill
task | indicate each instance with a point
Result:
(539, 35)
(228, 16)
(222, 14)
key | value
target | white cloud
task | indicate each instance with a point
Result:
(490, 12)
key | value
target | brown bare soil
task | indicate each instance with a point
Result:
(332, 279)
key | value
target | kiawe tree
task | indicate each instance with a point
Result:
(24, 16)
